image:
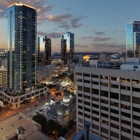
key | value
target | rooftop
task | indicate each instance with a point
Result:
(21, 4)
(10, 125)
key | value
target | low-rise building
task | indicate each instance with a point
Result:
(21, 127)
(16, 99)
(62, 111)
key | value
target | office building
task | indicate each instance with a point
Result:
(109, 99)
(67, 46)
(3, 53)
(133, 39)
(3, 77)
(22, 20)
(47, 50)
(64, 55)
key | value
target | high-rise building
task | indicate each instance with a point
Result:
(69, 41)
(64, 56)
(109, 99)
(47, 50)
(133, 39)
(22, 22)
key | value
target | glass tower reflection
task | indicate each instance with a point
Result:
(68, 39)
(133, 39)
(21, 47)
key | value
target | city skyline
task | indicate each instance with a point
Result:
(97, 26)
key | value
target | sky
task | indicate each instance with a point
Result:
(98, 25)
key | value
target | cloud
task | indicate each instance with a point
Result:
(52, 35)
(41, 7)
(108, 46)
(115, 31)
(101, 32)
(101, 38)
(81, 46)
(86, 37)
(66, 21)
(59, 18)
(75, 22)
(68, 9)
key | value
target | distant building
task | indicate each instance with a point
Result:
(3, 77)
(22, 22)
(47, 50)
(133, 39)
(67, 43)
(3, 53)
(64, 55)
(103, 57)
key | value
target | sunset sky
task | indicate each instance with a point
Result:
(98, 25)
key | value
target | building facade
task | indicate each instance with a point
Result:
(109, 99)
(133, 39)
(67, 46)
(47, 50)
(64, 56)
(3, 77)
(22, 20)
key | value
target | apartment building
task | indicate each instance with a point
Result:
(109, 98)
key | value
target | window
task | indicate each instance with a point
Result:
(103, 77)
(104, 84)
(78, 74)
(136, 100)
(125, 87)
(125, 106)
(79, 80)
(114, 104)
(114, 86)
(86, 75)
(135, 67)
(104, 108)
(95, 91)
(104, 93)
(114, 125)
(86, 97)
(80, 88)
(125, 98)
(80, 113)
(126, 114)
(87, 81)
(94, 76)
(80, 95)
(86, 109)
(95, 112)
(114, 111)
(86, 89)
(114, 95)
(95, 83)
(104, 130)
(126, 130)
(87, 103)
(80, 107)
(125, 122)
(95, 126)
(94, 105)
(114, 118)
(104, 101)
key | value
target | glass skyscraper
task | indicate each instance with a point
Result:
(47, 50)
(21, 47)
(68, 39)
(133, 39)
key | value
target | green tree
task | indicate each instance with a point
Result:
(41, 120)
